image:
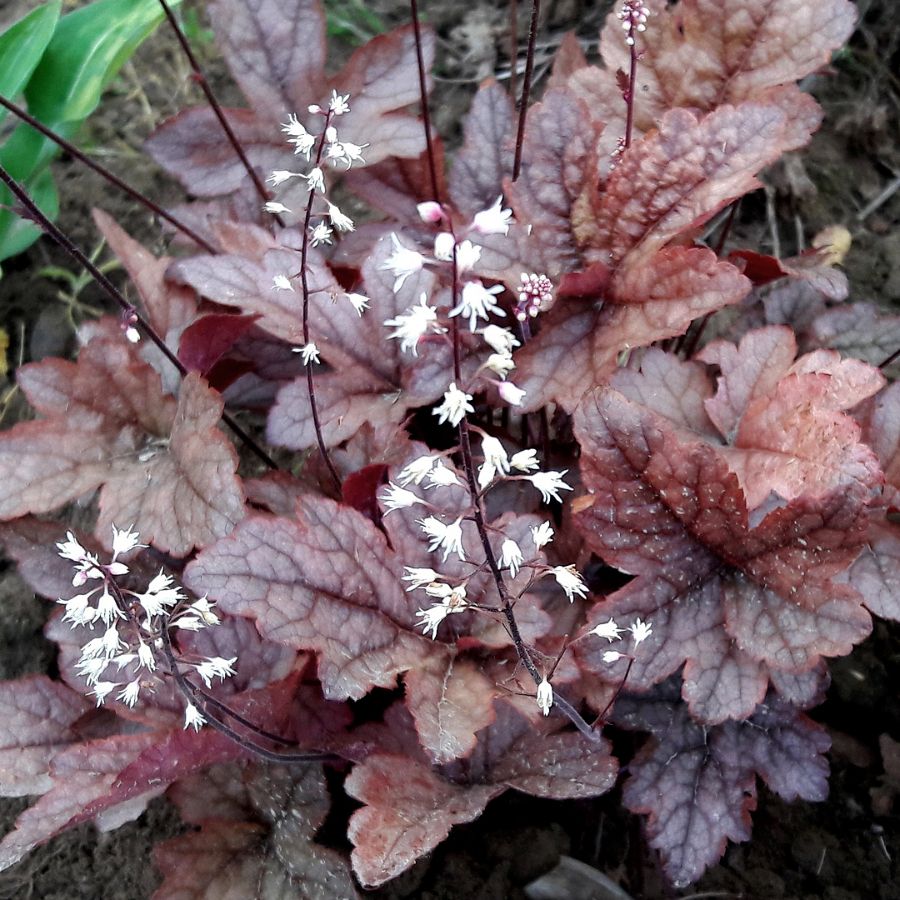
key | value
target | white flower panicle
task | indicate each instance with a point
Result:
(633, 16)
(639, 629)
(535, 296)
(133, 623)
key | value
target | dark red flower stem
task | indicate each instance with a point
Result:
(526, 86)
(73, 151)
(513, 46)
(423, 93)
(38, 217)
(215, 107)
(304, 281)
(192, 693)
(886, 362)
(629, 100)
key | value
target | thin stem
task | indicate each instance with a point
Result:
(38, 217)
(423, 93)
(526, 87)
(886, 362)
(72, 150)
(304, 281)
(192, 693)
(629, 100)
(216, 108)
(513, 45)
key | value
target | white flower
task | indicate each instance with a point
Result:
(430, 212)
(455, 406)
(510, 555)
(274, 207)
(413, 324)
(215, 667)
(146, 656)
(303, 141)
(640, 631)
(541, 534)
(124, 541)
(338, 219)
(110, 642)
(395, 497)
(303, 144)
(467, 254)
(129, 694)
(315, 180)
(193, 718)
(609, 630)
(282, 283)
(77, 610)
(448, 537)
(416, 470)
(308, 353)
(549, 484)
(452, 597)
(494, 220)
(443, 246)
(611, 656)
(432, 618)
(159, 595)
(345, 152)
(402, 263)
(358, 301)
(494, 453)
(524, 461)
(478, 302)
(189, 623)
(501, 340)
(418, 577)
(441, 476)
(321, 234)
(92, 668)
(204, 609)
(331, 134)
(500, 364)
(510, 393)
(102, 689)
(545, 697)
(132, 335)
(293, 126)
(570, 581)
(279, 176)
(107, 608)
(339, 104)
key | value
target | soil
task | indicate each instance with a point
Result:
(836, 850)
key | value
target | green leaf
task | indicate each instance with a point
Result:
(17, 234)
(87, 50)
(21, 48)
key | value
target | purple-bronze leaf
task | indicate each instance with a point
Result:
(275, 50)
(730, 594)
(255, 839)
(186, 494)
(38, 717)
(485, 158)
(697, 785)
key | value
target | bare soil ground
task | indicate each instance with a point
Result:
(837, 850)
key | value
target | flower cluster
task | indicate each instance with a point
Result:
(132, 625)
(633, 16)
(325, 218)
(475, 302)
(610, 630)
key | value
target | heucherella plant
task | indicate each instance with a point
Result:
(520, 453)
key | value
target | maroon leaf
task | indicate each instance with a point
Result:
(697, 785)
(255, 838)
(38, 715)
(207, 340)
